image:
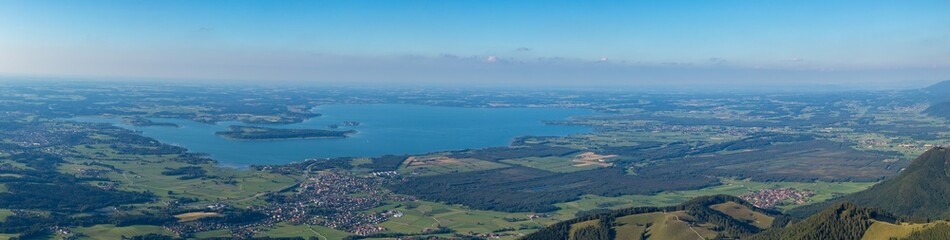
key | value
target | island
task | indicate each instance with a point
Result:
(265, 133)
(145, 122)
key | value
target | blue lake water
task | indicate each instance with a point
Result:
(384, 129)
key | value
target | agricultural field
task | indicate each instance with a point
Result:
(222, 233)
(145, 173)
(437, 165)
(579, 162)
(421, 215)
(108, 232)
(192, 216)
(303, 230)
(552, 164)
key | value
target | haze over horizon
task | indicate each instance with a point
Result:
(492, 43)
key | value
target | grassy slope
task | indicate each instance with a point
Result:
(580, 225)
(885, 230)
(661, 226)
(742, 212)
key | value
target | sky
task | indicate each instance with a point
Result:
(499, 43)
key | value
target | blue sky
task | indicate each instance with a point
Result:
(482, 42)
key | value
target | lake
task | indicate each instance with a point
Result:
(383, 129)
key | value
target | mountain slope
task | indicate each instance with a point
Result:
(719, 216)
(922, 190)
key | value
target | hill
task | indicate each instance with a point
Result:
(939, 96)
(709, 217)
(922, 190)
(940, 109)
(940, 88)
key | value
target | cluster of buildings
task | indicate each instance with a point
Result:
(769, 198)
(385, 173)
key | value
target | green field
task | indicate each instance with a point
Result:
(222, 233)
(553, 164)
(443, 165)
(144, 172)
(106, 232)
(4, 213)
(306, 231)
(421, 215)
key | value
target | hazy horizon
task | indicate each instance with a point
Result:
(860, 44)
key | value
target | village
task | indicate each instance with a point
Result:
(336, 200)
(770, 198)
